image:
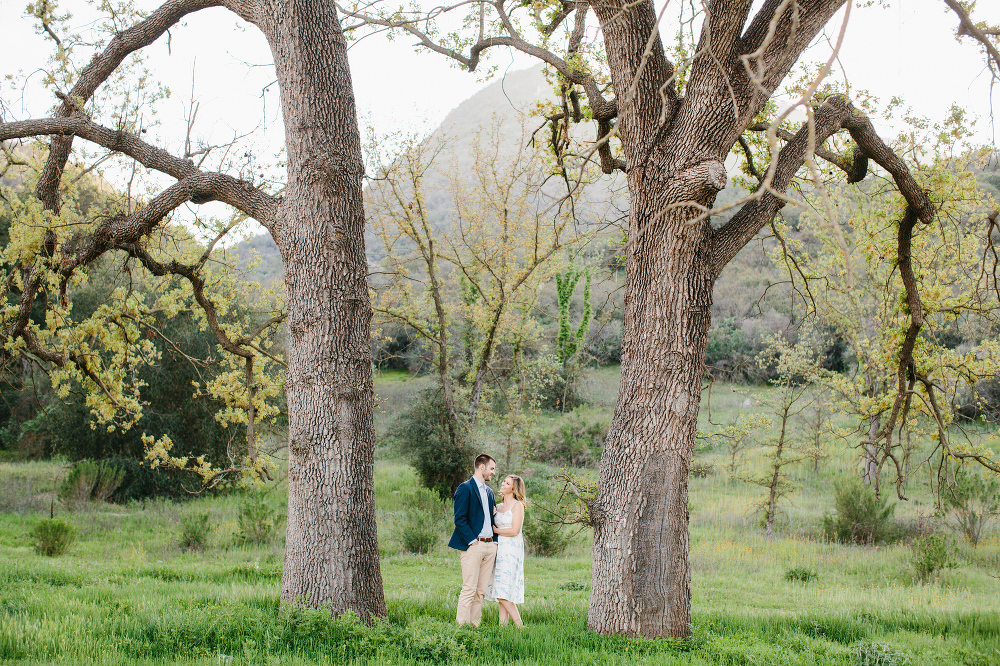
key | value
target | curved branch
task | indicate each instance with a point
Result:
(602, 107)
(856, 168)
(776, 37)
(122, 231)
(967, 28)
(769, 198)
(207, 186)
(836, 113)
(97, 72)
(190, 273)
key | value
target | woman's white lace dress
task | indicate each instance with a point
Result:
(508, 573)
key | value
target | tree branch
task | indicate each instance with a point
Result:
(97, 71)
(856, 168)
(771, 46)
(769, 197)
(602, 108)
(202, 186)
(967, 28)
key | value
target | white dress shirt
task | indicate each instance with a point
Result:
(487, 531)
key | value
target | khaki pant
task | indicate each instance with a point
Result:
(477, 571)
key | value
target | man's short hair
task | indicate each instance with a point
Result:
(482, 459)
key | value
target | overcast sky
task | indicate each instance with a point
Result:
(907, 50)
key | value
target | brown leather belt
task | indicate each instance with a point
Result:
(485, 539)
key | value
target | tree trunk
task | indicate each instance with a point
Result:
(331, 552)
(641, 578)
(674, 148)
(772, 498)
(869, 476)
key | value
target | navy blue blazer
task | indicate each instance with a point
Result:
(469, 514)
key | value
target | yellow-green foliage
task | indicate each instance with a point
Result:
(847, 272)
(103, 349)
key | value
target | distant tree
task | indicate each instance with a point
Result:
(735, 438)
(484, 273)
(973, 501)
(794, 366)
(814, 449)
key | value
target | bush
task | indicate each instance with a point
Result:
(543, 538)
(421, 531)
(76, 487)
(555, 392)
(172, 406)
(860, 516)
(974, 502)
(90, 481)
(53, 536)
(141, 482)
(870, 653)
(423, 433)
(930, 554)
(701, 470)
(800, 575)
(422, 522)
(432, 641)
(258, 522)
(576, 441)
(195, 529)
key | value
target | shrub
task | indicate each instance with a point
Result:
(973, 501)
(870, 653)
(172, 408)
(141, 482)
(543, 538)
(701, 470)
(421, 532)
(109, 477)
(577, 440)
(861, 517)
(423, 433)
(432, 641)
(422, 522)
(195, 529)
(76, 487)
(257, 521)
(53, 536)
(90, 481)
(930, 554)
(800, 575)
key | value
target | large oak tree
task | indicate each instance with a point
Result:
(671, 141)
(317, 222)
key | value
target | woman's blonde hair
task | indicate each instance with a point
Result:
(517, 487)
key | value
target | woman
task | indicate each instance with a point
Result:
(507, 586)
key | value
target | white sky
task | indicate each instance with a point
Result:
(907, 49)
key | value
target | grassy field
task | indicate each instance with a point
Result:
(126, 593)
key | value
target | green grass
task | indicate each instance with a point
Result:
(126, 593)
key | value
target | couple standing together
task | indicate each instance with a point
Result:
(492, 548)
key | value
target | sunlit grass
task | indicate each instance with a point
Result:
(127, 593)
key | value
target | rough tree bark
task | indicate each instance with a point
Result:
(331, 551)
(674, 148)
(331, 556)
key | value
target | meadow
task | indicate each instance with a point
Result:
(128, 593)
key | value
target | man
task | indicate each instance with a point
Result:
(473, 536)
